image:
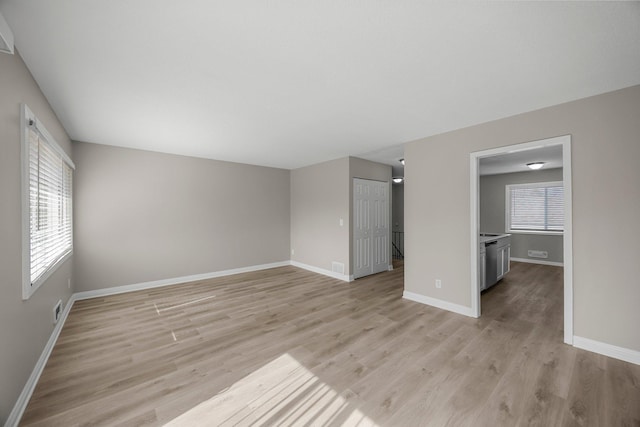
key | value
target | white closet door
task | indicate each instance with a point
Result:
(380, 226)
(361, 228)
(370, 227)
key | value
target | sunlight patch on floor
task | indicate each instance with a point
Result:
(283, 393)
(184, 304)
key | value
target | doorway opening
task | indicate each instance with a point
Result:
(565, 143)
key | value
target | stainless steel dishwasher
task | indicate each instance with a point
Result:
(492, 263)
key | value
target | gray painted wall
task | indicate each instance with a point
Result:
(25, 326)
(606, 207)
(492, 212)
(319, 198)
(142, 216)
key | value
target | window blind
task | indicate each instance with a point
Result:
(536, 207)
(50, 206)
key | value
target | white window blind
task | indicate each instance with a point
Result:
(537, 207)
(50, 222)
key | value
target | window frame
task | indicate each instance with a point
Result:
(507, 214)
(27, 116)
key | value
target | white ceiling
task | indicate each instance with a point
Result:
(290, 83)
(551, 156)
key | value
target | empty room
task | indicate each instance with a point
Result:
(251, 213)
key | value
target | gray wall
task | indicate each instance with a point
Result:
(605, 132)
(25, 326)
(142, 216)
(492, 212)
(319, 198)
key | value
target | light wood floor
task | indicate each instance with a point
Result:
(289, 347)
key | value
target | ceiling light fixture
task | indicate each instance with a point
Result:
(535, 165)
(398, 179)
(401, 161)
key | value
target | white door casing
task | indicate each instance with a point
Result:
(565, 142)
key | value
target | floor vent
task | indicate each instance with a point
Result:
(538, 254)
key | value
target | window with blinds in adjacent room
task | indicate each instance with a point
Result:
(49, 178)
(535, 208)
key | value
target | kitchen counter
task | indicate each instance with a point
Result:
(490, 237)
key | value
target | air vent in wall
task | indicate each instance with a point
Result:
(538, 254)
(337, 267)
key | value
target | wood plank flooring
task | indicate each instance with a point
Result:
(289, 347)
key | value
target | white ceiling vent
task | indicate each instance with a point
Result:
(6, 36)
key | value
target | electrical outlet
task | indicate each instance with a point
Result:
(293, 251)
(341, 222)
(57, 311)
(69, 283)
(438, 283)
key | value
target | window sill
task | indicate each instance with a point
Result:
(28, 289)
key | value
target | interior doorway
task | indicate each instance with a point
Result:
(397, 222)
(565, 143)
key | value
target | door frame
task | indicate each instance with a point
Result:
(567, 241)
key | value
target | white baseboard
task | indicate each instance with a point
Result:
(537, 261)
(175, 281)
(438, 303)
(21, 404)
(322, 271)
(621, 353)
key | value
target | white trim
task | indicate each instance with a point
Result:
(29, 387)
(538, 261)
(174, 281)
(27, 290)
(474, 191)
(567, 241)
(438, 303)
(322, 271)
(565, 142)
(28, 114)
(609, 350)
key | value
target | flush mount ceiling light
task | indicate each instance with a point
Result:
(401, 161)
(535, 165)
(398, 179)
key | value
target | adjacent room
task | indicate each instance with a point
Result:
(283, 213)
